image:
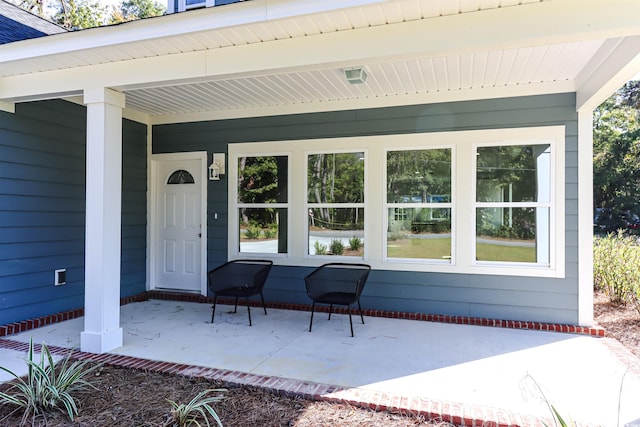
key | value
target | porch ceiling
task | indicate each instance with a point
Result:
(414, 51)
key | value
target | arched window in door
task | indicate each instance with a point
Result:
(181, 177)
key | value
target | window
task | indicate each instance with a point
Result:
(180, 177)
(262, 204)
(473, 202)
(419, 204)
(335, 204)
(513, 190)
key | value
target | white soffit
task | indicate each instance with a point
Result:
(552, 66)
(454, 67)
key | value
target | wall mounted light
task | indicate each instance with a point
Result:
(355, 75)
(217, 167)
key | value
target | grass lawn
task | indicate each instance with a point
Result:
(489, 252)
(440, 248)
(435, 248)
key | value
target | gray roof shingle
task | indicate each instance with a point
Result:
(18, 24)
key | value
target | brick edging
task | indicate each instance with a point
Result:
(456, 413)
(26, 325)
(595, 331)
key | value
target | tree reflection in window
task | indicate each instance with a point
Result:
(335, 203)
(513, 203)
(419, 204)
(263, 204)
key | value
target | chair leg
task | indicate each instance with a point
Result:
(313, 306)
(213, 313)
(263, 304)
(350, 321)
(235, 309)
(249, 311)
(360, 309)
(330, 310)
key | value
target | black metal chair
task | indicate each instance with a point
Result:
(239, 279)
(337, 284)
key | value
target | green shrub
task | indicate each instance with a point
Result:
(252, 232)
(396, 236)
(270, 233)
(186, 415)
(47, 387)
(616, 268)
(320, 248)
(336, 246)
(355, 243)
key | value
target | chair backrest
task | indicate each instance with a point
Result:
(249, 273)
(337, 277)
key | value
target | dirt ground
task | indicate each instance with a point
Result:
(128, 397)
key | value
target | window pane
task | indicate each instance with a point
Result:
(419, 233)
(512, 234)
(419, 176)
(263, 230)
(335, 178)
(181, 177)
(262, 179)
(336, 231)
(519, 173)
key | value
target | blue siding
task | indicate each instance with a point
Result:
(521, 298)
(133, 268)
(42, 208)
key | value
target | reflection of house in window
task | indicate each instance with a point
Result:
(399, 214)
(513, 196)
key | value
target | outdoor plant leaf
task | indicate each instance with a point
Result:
(188, 415)
(47, 387)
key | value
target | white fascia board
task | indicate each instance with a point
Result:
(127, 113)
(448, 35)
(69, 82)
(617, 61)
(504, 28)
(530, 24)
(356, 104)
(236, 14)
(8, 107)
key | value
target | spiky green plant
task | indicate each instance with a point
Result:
(320, 248)
(200, 406)
(47, 387)
(559, 420)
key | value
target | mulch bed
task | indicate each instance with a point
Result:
(130, 397)
(135, 398)
(620, 322)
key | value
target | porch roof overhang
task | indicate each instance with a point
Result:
(261, 58)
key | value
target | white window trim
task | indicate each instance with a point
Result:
(233, 248)
(551, 204)
(450, 205)
(464, 144)
(336, 258)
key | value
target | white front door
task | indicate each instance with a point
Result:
(178, 226)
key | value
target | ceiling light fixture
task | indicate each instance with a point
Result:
(355, 75)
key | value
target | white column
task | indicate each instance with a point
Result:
(102, 331)
(585, 218)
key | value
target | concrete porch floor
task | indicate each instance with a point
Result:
(470, 374)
